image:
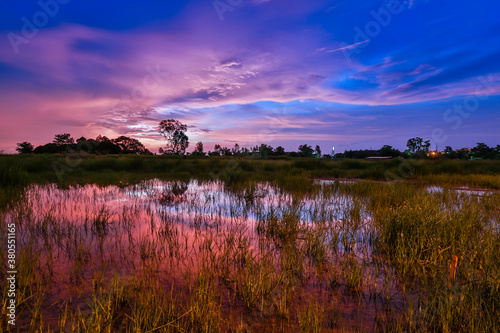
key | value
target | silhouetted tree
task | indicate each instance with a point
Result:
(63, 139)
(463, 154)
(450, 153)
(317, 151)
(221, 151)
(255, 151)
(426, 146)
(198, 149)
(24, 148)
(265, 150)
(482, 150)
(414, 144)
(387, 150)
(64, 143)
(104, 145)
(130, 146)
(236, 150)
(102, 138)
(49, 148)
(218, 149)
(305, 150)
(173, 131)
(279, 151)
(417, 144)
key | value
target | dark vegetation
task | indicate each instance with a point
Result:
(177, 142)
(70, 169)
(66, 160)
(102, 145)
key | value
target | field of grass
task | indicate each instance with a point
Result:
(162, 244)
(75, 169)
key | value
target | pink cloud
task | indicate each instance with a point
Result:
(89, 81)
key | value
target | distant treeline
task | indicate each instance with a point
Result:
(480, 151)
(417, 148)
(101, 145)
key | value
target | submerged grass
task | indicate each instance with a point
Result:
(446, 244)
(246, 255)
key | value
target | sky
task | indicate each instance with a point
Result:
(344, 73)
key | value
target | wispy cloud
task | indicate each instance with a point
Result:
(348, 47)
(244, 76)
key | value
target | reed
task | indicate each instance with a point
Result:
(286, 254)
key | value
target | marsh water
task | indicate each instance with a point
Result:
(80, 239)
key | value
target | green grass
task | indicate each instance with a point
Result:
(419, 237)
(358, 256)
(23, 169)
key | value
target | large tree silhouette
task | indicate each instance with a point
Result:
(305, 150)
(418, 144)
(63, 139)
(173, 131)
(130, 145)
(24, 148)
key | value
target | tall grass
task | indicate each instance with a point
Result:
(429, 238)
(243, 254)
(23, 169)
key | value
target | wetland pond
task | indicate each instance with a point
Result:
(207, 256)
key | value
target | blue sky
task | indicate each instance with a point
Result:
(354, 74)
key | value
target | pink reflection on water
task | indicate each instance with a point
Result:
(108, 220)
(90, 234)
